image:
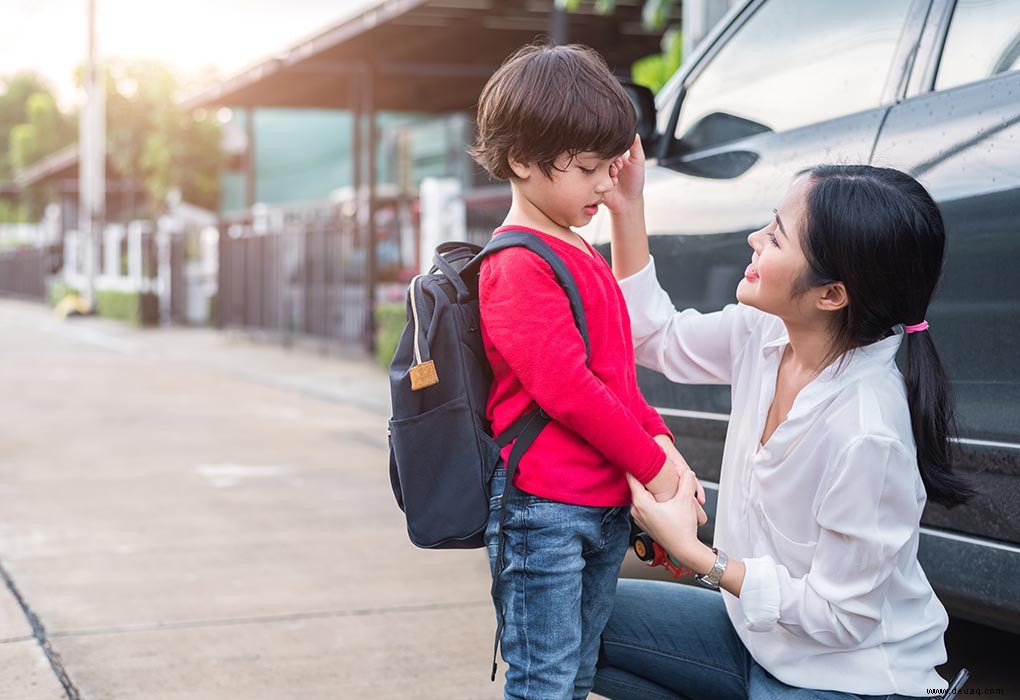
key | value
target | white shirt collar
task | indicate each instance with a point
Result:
(843, 371)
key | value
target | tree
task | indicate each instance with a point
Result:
(14, 96)
(45, 130)
(32, 126)
(151, 140)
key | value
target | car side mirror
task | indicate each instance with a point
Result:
(644, 104)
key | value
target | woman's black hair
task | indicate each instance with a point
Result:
(878, 231)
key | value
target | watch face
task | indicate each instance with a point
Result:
(706, 583)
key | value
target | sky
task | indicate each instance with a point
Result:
(49, 36)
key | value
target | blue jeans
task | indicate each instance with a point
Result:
(556, 590)
(673, 642)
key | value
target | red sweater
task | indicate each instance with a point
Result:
(601, 424)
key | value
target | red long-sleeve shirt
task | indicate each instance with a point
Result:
(601, 424)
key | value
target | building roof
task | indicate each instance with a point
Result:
(62, 164)
(429, 55)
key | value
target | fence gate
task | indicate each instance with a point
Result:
(295, 273)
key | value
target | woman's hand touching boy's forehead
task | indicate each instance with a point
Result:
(628, 175)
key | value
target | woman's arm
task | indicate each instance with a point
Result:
(687, 346)
(626, 205)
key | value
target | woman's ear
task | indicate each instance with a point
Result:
(833, 298)
(520, 169)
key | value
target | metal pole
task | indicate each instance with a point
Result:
(249, 161)
(559, 27)
(92, 158)
(371, 148)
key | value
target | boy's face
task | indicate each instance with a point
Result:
(572, 192)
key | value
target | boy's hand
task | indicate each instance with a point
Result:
(666, 443)
(664, 485)
(628, 175)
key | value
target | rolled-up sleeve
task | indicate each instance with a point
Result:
(687, 346)
(868, 515)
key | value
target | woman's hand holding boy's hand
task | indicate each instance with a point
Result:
(672, 455)
(663, 487)
(672, 523)
(628, 175)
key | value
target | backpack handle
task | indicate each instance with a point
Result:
(448, 253)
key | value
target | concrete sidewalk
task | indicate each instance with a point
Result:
(187, 514)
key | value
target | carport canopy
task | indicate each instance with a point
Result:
(426, 55)
(423, 56)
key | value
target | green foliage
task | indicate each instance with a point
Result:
(390, 320)
(45, 130)
(13, 213)
(153, 141)
(32, 126)
(14, 95)
(655, 13)
(138, 308)
(653, 71)
(57, 290)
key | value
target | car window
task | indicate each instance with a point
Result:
(793, 63)
(983, 41)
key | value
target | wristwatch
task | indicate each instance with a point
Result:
(715, 574)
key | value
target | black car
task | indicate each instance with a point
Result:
(931, 87)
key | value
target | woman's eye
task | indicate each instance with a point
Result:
(772, 239)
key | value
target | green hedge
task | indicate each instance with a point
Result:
(139, 308)
(389, 324)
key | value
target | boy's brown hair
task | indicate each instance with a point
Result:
(547, 100)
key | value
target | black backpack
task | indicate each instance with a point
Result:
(442, 453)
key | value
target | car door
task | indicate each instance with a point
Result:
(787, 85)
(958, 133)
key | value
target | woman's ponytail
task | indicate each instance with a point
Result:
(932, 416)
(880, 233)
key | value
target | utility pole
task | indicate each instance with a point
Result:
(559, 25)
(92, 159)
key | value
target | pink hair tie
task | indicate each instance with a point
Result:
(922, 326)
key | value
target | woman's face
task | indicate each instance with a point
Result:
(772, 281)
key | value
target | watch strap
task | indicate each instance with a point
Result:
(715, 574)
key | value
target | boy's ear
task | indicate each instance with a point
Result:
(833, 297)
(520, 169)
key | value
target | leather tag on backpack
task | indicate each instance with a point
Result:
(424, 375)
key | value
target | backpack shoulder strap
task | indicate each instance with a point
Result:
(525, 239)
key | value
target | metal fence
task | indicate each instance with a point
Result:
(295, 273)
(23, 271)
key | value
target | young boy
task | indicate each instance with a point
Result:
(553, 121)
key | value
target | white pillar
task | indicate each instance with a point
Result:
(443, 216)
(112, 237)
(135, 245)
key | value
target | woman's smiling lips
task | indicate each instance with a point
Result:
(750, 274)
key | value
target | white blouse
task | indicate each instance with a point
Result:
(825, 515)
